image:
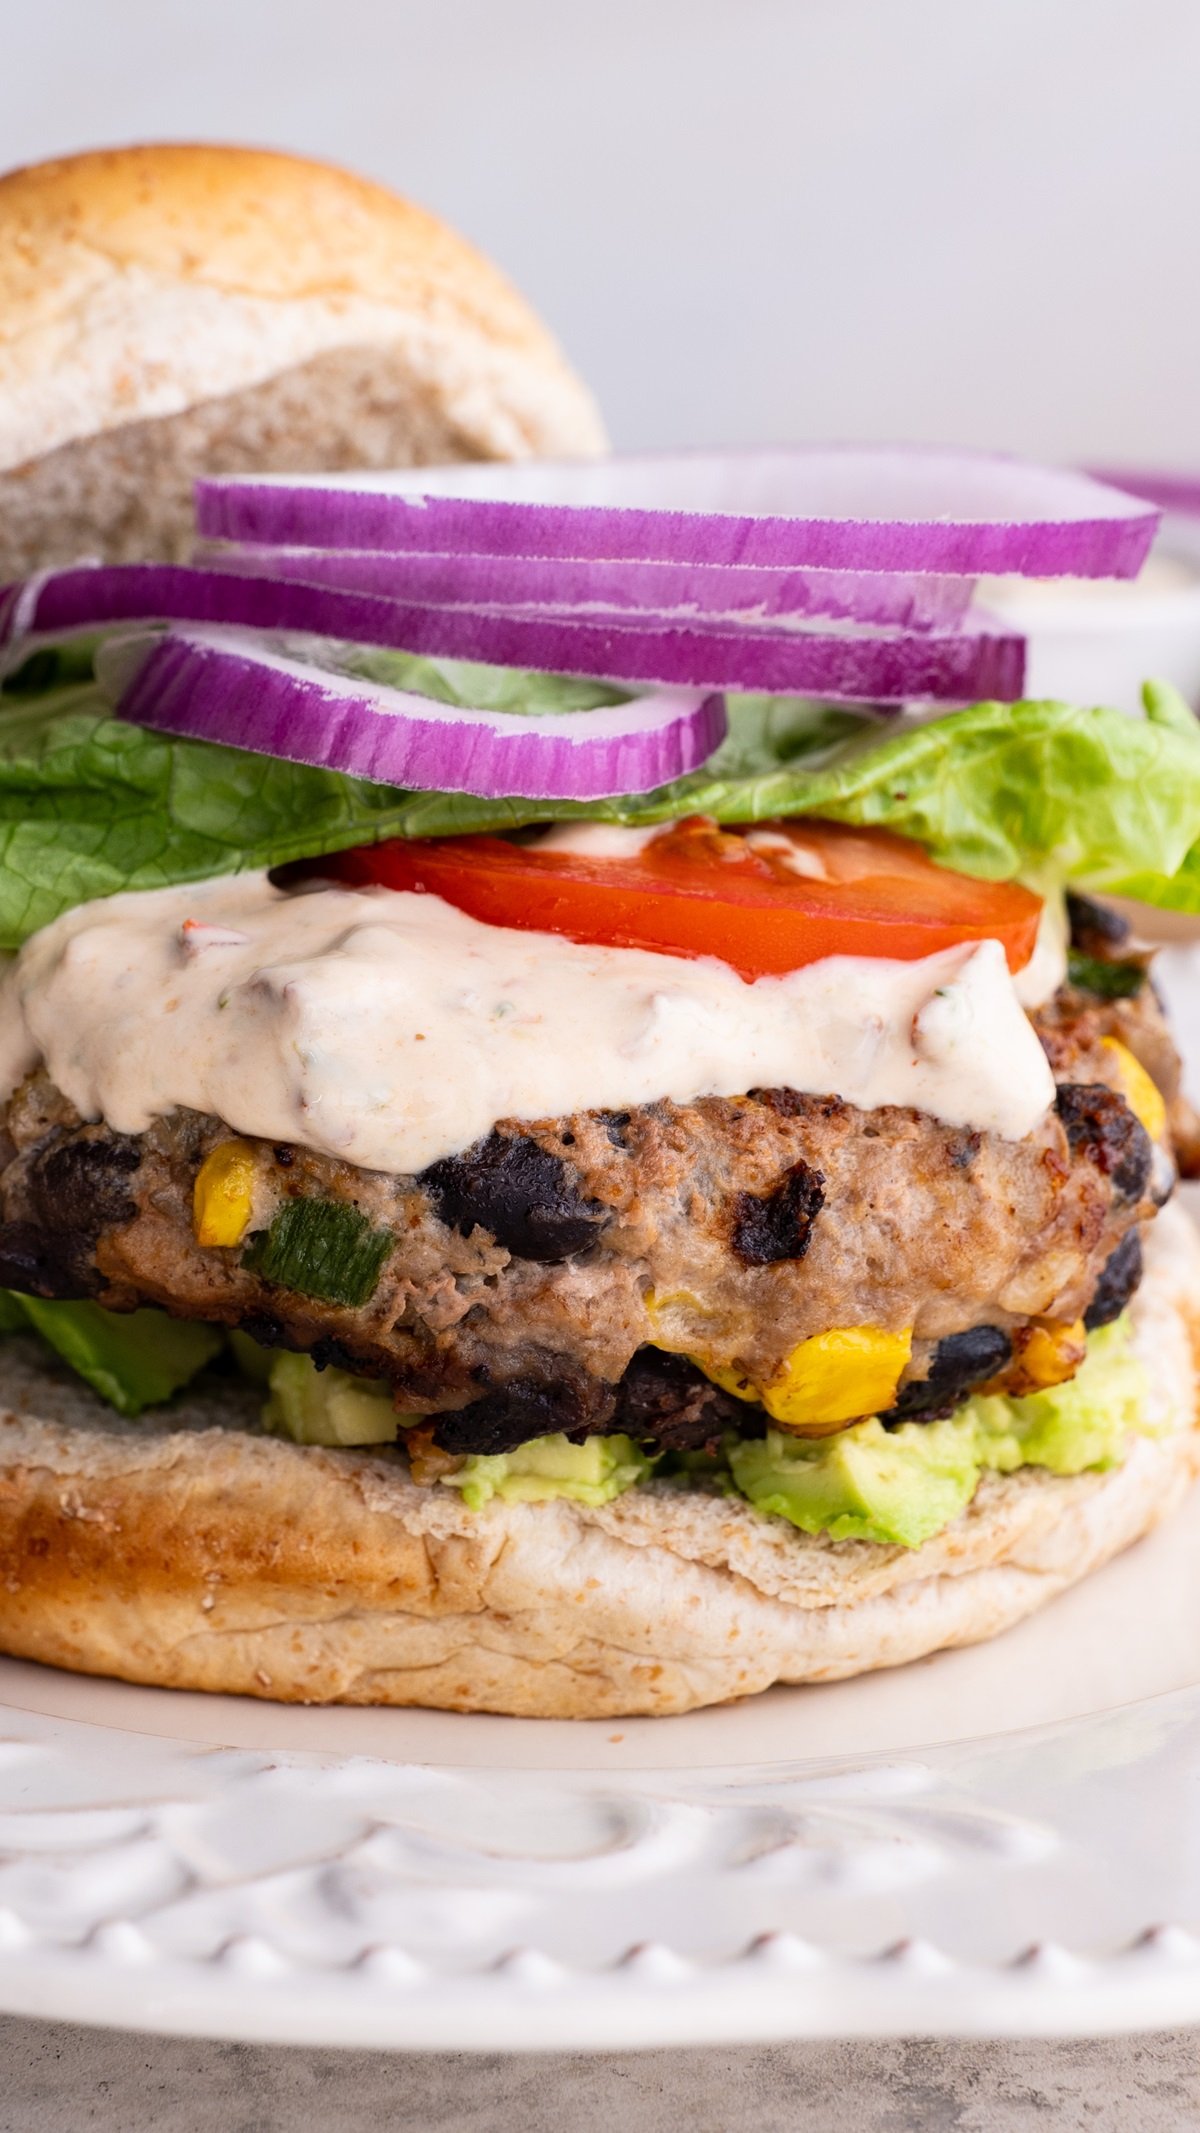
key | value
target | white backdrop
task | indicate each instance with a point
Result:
(969, 220)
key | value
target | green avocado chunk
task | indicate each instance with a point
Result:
(898, 1486)
(314, 1406)
(866, 1483)
(330, 1407)
(592, 1472)
(133, 1360)
(904, 1485)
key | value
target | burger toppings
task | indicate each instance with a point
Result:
(802, 508)
(390, 1029)
(257, 636)
(509, 1291)
(602, 1085)
(1043, 792)
(764, 904)
(903, 1484)
(232, 688)
(892, 1481)
(321, 1249)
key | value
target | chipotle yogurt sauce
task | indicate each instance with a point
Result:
(390, 1029)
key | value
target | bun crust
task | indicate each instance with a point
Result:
(139, 284)
(195, 1553)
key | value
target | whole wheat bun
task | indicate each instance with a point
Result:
(195, 1553)
(171, 310)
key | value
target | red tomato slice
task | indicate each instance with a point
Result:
(765, 900)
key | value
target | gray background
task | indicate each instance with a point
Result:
(65, 2080)
(970, 220)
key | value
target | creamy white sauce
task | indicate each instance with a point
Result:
(1047, 966)
(798, 858)
(601, 840)
(390, 1029)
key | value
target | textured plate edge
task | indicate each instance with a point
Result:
(729, 2004)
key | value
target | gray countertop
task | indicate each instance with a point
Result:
(59, 2079)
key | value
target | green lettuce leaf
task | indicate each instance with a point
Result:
(89, 806)
(470, 682)
(1045, 791)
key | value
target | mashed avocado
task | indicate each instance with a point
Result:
(329, 1407)
(314, 1406)
(866, 1483)
(592, 1472)
(903, 1485)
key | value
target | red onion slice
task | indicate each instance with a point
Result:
(841, 662)
(229, 686)
(1169, 491)
(846, 508)
(741, 597)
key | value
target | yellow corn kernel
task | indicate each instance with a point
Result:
(1141, 1094)
(662, 1305)
(837, 1376)
(728, 1378)
(223, 1200)
(659, 1302)
(1052, 1354)
(833, 1378)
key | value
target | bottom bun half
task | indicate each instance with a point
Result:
(190, 1551)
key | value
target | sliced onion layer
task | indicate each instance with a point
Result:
(737, 595)
(842, 508)
(841, 662)
(232, 687)
(1169, 491)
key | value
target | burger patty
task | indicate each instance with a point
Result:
(566, 1274)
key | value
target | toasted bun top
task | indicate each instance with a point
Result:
(137, 281)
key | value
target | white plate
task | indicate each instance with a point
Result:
(1004, 1840)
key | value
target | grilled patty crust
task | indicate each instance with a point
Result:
(533, 1283)
(190, 1550)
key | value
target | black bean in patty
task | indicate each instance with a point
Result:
(521, 1194)
(666, 1401)
(1121, 1276)
(46, 1262)
(82, 1184)
(779, 1225)
(1100, 1126)
(576, 1407)
(960, 1362)
(1094, 925)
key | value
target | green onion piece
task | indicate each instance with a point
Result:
(320, 1248)
(1108, 981)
